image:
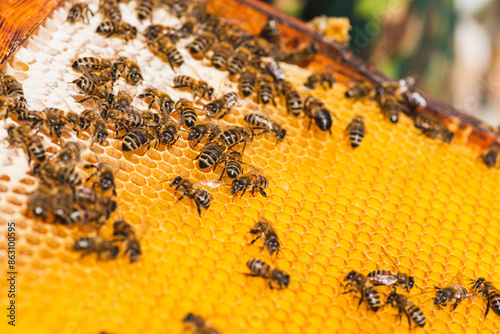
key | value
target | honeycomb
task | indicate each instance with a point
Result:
(433, 206)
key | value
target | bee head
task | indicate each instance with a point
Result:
(350, 276)
(83, 243)
(135, 78)
(236, 187)
(194, 133)
(440, 297)
(391, 297)
(411, 283)
(477, 284)
(286, 280)
(176, 181)
(273, 246)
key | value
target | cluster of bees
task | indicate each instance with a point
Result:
(252, 62)
(453, 293)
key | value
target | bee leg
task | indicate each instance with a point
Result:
(91, 175)
(198, 207)
(487, 308)
(84, 99)
(361, 299)
(244, 190)
(254, 240)
(310, 122)
(455, 305)
(271, 285)
(262, 192)
(349, 291)
(223, 171)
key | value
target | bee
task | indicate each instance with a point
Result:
(261, 122)
(50, 170)
(110, 28)
(356, 130)
(169, 131)
(90, 118)
(315, 109)
(391, 101)
(264, 230)
(233, 164)
(22, 135)
(102, 77)
(195, 86)
(489, 292)
(294, 103)
(123, 102)
(11, 104)
(155, 30)
(186, 109)
(248, 80)
(432, 128)
(88, 64)
(103, 248)
(265, 90)
(198, 325)
(490, 156)
(201, 197)
(88, 87)
(161, 100)
(129, 69)
(236, 135)
(111, 10)
(201, 44)
(270, 32)
(13, 88)
(138, 138)
(325, 79)
(104, 177)
(239, 60)
(79, 11)
(406, 306)
(56, 120)
(124, 120)
(275, 70)
(359, 90)
(101, 206)
(359, 283)
(221, 55)
(212, 153)
(164, 47)
(36, 117)
(201, 130)
(302, 55)
(39, 201)
(145, 9)
(452, 293)
(274, 275)
(389, 277)
(126, 235)
(249, 180)
(222, 106)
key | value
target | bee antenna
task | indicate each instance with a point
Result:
(428, 300)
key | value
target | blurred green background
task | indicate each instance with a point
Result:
(451, 47)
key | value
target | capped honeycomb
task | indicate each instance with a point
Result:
(433, 206)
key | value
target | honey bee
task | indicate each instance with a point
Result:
(155, 30)
(389, 277)
(100, 206)
(270, 32)
(233, 164)
(359, 90)
(111, 10)
(169, 131)
(88, 87)
(248, 80)
(50, 170)
(356, 130)
(13, 88)
(275, 70)
(198, 325)
(222, 53)
(222, 106)
(275, 276)
(88, 64)
(451, 293)
(406, 306)
(201, 44)
(239, 60)
(164, 47)
(432, 128)
(212, 153)
(187, 111)
(324, 79)
(161, 100)
(302, 55)
(22, 135)
(489, 292)
(315, 109)
(103, 248)
(391, 101)
(201, 197)
(490, 156)
(126, 235)
(129, 69)
(79, 11)
(261, 122)
(110, 28)
(90, 118)
(199, 131)
(195, 86)
(144, 9)
(269, 238)
(56, 120)
(123, 102)
(39, 201)
(139, 138)
(36, 117)
(11, 104)
(294, 103)
(102, 77)
(249, 180)
(104, 177)
(265, 91)
(124, 120)
(360, 284)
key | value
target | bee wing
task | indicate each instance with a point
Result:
(212, 184)
(383, 279)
